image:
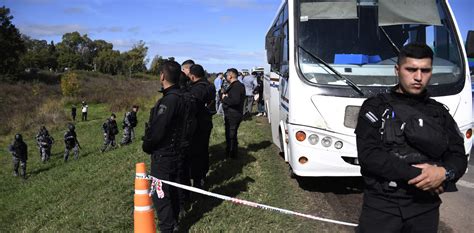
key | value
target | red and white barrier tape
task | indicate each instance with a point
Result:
(156, 187)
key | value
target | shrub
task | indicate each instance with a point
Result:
(70, 84)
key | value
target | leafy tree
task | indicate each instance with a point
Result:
(109, 61)
(11, 44)
(75, 51)
(135, 58)
(70, 85)
(156, 63)
(53, 56)
(37, 54)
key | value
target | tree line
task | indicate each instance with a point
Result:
(19, 53)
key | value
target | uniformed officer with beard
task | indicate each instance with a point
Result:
(204, 92)
(233, 103)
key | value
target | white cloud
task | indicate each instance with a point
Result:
(41, 30)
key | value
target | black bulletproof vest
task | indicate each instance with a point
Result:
(412, 135)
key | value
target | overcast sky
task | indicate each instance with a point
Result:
(215, 33)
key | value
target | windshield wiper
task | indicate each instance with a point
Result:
(395, 49)
(339, 75)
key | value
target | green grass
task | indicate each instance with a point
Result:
(95, 192)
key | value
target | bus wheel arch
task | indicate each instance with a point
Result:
(283, 144)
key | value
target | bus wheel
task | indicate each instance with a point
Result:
(292, 174)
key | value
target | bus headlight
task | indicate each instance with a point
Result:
(327, 141)
(313, 139)
(338, 145)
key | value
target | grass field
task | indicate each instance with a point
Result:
(95, 192)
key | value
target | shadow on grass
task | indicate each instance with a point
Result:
(40, 170)
(223, 170)
(336, 185)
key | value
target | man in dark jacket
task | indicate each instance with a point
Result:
(71, 142)
(110, 129)
(233, 104)
(159, 142)
(19, 151)
(199, 153)
(410, 150)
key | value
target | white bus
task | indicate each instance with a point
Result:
(328, 56)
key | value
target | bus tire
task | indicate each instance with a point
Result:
(292, 174)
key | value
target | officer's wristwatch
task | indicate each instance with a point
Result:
(449, 174)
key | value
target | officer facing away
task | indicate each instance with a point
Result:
(410, 151)
(71, 142)
(233, 103)
(130, 121)
(110, 129)
(44, 141)
(19, 151)
(202, 90)
(159, 142)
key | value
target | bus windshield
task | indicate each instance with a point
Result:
(360, 39)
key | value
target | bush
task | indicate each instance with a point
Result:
(70, 84)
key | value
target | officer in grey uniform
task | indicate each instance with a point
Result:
(19, 151)
(44, 141)
(110, 130)
(71, 142)
(129, 123)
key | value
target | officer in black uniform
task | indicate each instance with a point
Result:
(159, 142)
(410, 151)
(233, 104)
(110, 129)
(199, 153)
(19, 151)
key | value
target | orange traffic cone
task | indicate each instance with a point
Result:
(143, 214)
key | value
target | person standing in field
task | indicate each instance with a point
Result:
(85, 109)
(73, 112)
(233, 103)
(19, 151)
(110, 129)
(71, 142)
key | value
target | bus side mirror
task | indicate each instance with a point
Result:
(470, 44)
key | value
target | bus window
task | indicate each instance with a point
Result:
(364, 47)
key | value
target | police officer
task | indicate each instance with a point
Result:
(410, 150)
(44, 141)
(130, 121)
(73, 112)
(233, 104)
(71, 142)
(159, 141)
(110, 129)
(184, 79)
(19, 151)
(199, 152)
